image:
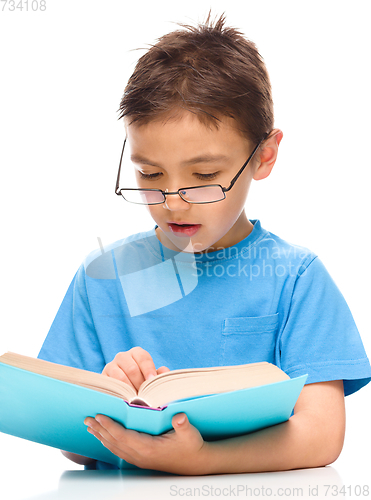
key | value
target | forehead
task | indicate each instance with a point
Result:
(185, 133)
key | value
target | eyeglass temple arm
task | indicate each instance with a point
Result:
(244, 165)
(118, 175)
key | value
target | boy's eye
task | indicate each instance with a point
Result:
(156, 175)
(207, 177)
(149, 176)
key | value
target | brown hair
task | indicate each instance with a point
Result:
(210, 70)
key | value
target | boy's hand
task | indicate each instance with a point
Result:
(133, 367)
(179, 451)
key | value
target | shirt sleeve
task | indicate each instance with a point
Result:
(72, 338)
(320, 337)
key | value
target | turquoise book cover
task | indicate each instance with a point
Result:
(52, 412)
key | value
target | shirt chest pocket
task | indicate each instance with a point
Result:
(248, 340)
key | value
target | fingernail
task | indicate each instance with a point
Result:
(181, 420)
(151, 376)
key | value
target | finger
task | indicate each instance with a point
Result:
(114, 371)
(109, 429)
(130, 367)
(162, 369)
(116, 434)
(186, 431)
(108, 443)
(101, 429)
(144, 361)
(180, 421)
(101, 433)
(125, 454)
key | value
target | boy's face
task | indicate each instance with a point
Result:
(183, 153)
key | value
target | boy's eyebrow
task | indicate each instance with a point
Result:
(205, 158)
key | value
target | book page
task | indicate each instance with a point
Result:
(72, 375)
(181, 384)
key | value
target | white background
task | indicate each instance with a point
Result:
(63, 72)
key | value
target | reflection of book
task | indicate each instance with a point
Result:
(47, 402)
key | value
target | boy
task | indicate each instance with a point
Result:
(207, 286)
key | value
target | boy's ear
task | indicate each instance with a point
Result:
(268, 155)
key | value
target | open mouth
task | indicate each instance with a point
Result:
(184, 229)
(183, 225)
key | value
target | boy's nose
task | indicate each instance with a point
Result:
(174, 202)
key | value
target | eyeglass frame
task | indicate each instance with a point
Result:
(166, 192)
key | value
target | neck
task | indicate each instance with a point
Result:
(238, 232)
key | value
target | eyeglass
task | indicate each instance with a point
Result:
(195, 194)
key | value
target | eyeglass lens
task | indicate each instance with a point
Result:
(202, 194)
(205, 194)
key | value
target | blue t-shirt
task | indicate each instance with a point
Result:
(263, 299)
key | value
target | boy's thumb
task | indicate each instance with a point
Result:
(180, 421)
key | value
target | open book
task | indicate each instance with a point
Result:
(47, 403)
(163, 389)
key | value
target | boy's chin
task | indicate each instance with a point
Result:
(191, 246)
(180, 243)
